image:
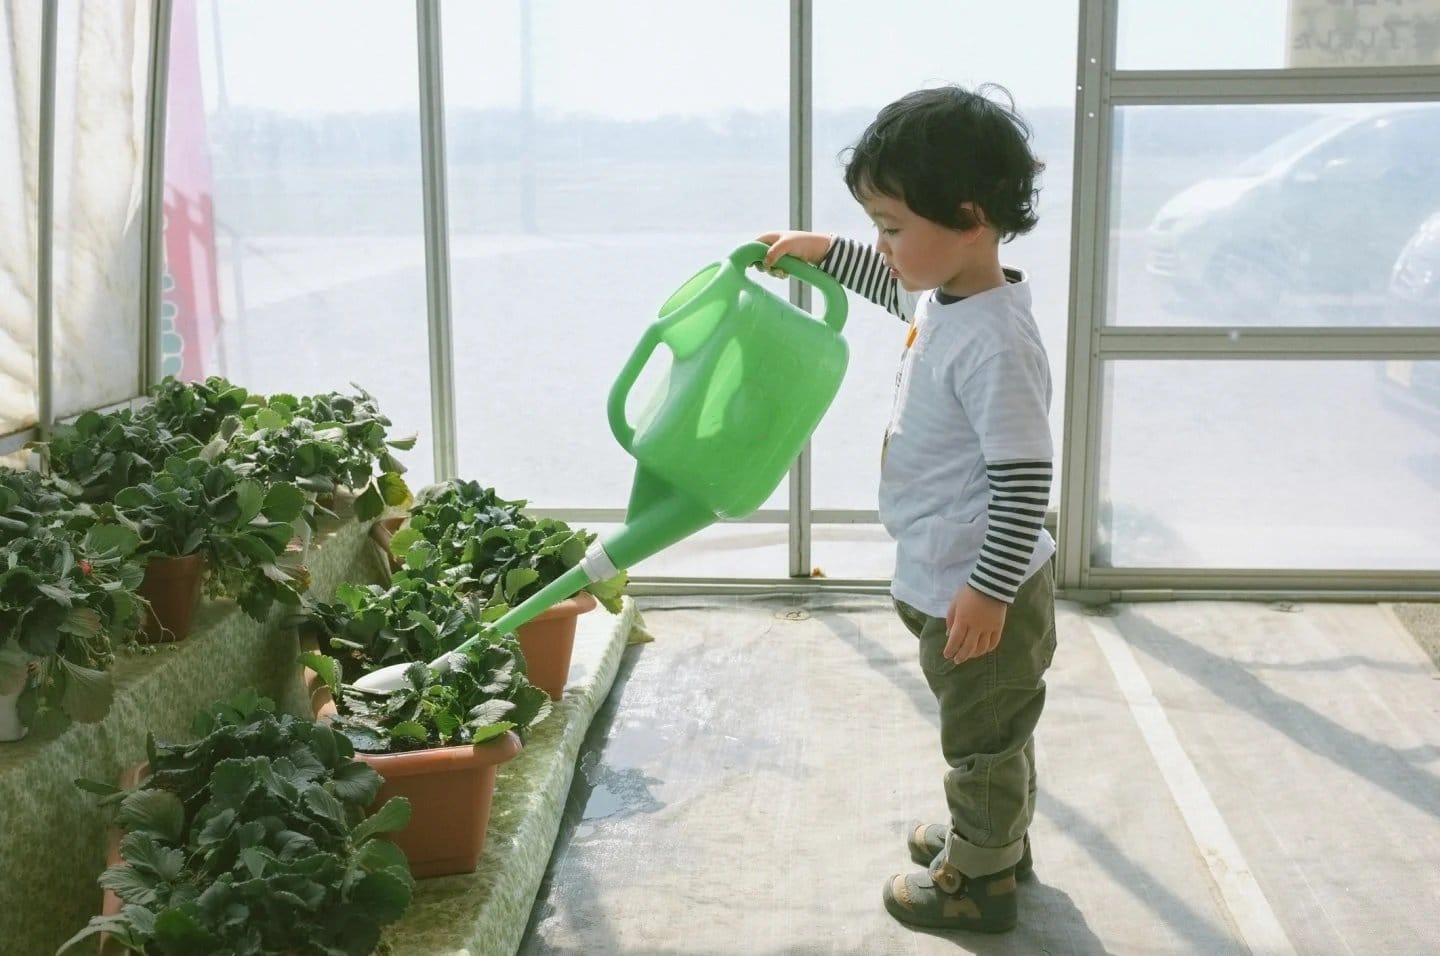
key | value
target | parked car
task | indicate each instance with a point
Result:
(1415, 300)
(1415, 278)
(1318, 215)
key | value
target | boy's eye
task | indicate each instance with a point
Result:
(888, 232)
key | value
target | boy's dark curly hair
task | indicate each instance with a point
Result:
(937, 148)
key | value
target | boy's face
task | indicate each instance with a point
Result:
(921, 253)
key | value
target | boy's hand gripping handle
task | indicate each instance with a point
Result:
(837, 307)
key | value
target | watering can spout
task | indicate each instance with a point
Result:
(659, 515)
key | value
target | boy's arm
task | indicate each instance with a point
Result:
(1019, 495)
(862, 270)
(1005, 400)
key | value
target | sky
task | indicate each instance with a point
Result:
(639, 59)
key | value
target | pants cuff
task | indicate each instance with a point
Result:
(975, 860)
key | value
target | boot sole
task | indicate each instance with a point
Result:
(893, 907)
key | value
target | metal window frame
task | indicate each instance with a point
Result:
(45, 227)
(802, 112)
(153, 227)
(1100, 89)
(437, 238)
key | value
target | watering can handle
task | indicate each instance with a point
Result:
(836, 305)
(620, 391)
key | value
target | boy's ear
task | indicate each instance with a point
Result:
(974, 217)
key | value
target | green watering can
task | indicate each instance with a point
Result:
(750, 377)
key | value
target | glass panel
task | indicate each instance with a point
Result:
(19, 158)
(101, 82)
(863, 62)
(1305, 465)
(1276, 34)
(586, 187)
(294, 240)
(1276, 215)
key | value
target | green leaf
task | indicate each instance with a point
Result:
(394, 815)
(369, 505)
(324, 804)
(283, 502)
(97, 787)
(144, 854)
(490, 731)
(269, 418)
(88, 693)
(382, 855)
(410, 730)
(250, 496)
(177, 931)
(326, 668)
(255, 860)
(111, 925)
(111, 539)
(230, 783)
(382, 896)
(517, 580)
(130, 884)
(405, 539)
(421, 556)
(356, 783)
(394, 490)
(82, 622)
(155, 811)
(610, 592)
(403, 444)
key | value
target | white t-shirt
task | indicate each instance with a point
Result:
(974, 386)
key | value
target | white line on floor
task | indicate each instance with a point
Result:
(1242, 896)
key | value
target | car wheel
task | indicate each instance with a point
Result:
(1247, 285)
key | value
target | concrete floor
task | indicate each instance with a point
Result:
(1215, 778)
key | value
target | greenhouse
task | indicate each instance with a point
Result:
(543, 477)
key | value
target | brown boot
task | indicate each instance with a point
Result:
(944, 898)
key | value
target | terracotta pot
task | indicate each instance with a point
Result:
(450, 790)
(548, 641)
(111, 904)
(321, 700)
(172, 586)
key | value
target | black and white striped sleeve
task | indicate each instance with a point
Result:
(1019, 495)
(862, 270)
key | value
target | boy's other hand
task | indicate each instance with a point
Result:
(973, 625)
(806, 246)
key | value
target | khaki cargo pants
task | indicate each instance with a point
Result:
(989, 707)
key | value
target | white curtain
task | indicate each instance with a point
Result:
(19, 165)
(101, 83)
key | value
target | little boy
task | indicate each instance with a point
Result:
(946, 175)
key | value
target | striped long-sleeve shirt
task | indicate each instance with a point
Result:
(1018, 491)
